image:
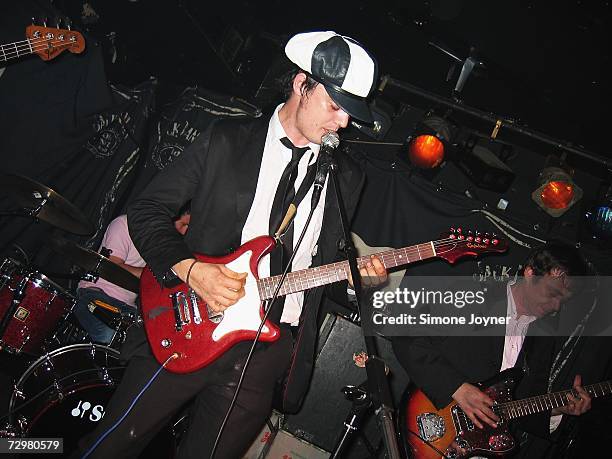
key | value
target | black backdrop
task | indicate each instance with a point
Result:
(98, 144)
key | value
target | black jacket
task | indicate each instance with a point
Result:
(219, 172)
(439, 365)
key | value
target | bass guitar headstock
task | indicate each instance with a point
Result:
(49, 42)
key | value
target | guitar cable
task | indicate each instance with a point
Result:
(134, 401)
(271, 303)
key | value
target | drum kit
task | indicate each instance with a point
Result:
(69, 380)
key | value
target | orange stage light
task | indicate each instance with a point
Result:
(426, 151)
(557, 191)
(557, 194)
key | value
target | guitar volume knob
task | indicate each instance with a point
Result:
(166, 343)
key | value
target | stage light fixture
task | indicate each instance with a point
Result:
(557, 192)
(480, 159)
(428, 143)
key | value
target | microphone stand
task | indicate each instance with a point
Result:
(378, 386)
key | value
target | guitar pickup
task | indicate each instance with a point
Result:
(180, 306)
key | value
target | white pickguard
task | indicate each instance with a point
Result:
(244, 315)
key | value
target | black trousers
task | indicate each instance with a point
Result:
(212, 387)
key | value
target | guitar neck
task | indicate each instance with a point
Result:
(335, 272)
(47, 47)
(532, 405)
(17, 49)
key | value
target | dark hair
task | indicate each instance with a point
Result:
(557, 255)
(286, 82)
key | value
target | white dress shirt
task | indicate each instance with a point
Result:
(516, 329)
(274, 160)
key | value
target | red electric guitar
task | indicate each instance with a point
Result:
(429, 431)
(47, 42)
(178, 322)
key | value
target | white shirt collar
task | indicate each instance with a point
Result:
(278, 132)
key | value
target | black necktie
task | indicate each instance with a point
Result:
(285, 194)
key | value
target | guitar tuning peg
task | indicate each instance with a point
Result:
(45, 22)
(68, 23)
(452, 229)
(33, 21)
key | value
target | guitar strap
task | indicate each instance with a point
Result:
(568, 347)
(301, 192)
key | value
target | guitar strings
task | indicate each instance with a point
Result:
(35, 46)
(439, 244)
(334, 269)
(28, 41)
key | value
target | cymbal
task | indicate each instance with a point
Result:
(95, 263)
(45, 204)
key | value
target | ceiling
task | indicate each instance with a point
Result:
(545, 64)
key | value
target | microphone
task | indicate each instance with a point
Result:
(329, 142)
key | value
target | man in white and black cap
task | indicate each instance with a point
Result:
(241, 176)
(347, 70)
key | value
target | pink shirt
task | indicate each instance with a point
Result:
(117, 239)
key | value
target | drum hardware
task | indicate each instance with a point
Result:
(96, 264)
(90, 277)
(8, 431)
(42, 203)
(18, 295)
(65, 394)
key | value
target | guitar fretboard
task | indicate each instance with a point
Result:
(305, 279)
(13, 50)
(532, 405)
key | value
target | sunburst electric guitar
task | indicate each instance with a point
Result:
(179, 323)
(429, 431)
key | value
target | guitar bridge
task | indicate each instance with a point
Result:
(431, 426)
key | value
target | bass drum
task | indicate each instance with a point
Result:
(64, 394)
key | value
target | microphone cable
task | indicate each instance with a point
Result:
(134, 401)
(271, 303)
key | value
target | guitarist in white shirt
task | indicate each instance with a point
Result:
(541, 291)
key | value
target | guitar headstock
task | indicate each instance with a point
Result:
(460, 242)
(48, 42)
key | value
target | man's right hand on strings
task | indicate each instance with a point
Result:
(216, 284)
(476, 405)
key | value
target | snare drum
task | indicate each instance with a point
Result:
(64, 394)
(31, 308)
